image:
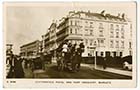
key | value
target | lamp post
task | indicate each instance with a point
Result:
(55, 44)
(95, 60)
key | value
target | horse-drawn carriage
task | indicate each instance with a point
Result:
(71, 59)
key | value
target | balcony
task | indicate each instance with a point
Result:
(74, 37)
(61, 37)
(61, 31)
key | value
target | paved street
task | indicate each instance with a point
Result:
(85, 73)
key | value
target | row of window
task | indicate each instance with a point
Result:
(113, 44)
(88, 32)
(117, 34)
(114, 54)
(112, 27)
(75, 22)
(106, 54)
(91, 42)
(74, 31)
(117, 27)
(101, 33)
(116, 44)
(89, 24)
(101, 26)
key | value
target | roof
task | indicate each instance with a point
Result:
(29, 43)
(101, 15)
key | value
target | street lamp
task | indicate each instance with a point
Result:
(95, 60)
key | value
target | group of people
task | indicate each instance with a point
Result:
(16, 65)
(70, 55)
(14, 68)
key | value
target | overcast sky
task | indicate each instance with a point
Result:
(28, 22)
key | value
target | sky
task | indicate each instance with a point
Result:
(27, 22)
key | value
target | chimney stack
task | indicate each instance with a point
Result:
(118, 15)
(103, 12)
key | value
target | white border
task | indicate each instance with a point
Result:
(83, 0)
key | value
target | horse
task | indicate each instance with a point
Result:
(60, 61)
(77, 58)
(70, 59)
(63, 60)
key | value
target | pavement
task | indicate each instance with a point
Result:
(51, 72)
(28, 73)
(87, 71)
(108, 69)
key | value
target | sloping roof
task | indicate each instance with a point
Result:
(100, 15)
(30, 43)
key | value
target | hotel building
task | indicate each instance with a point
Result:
(103, 34)
(31, 49)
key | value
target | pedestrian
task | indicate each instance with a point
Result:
(50, 57)
(19, 73)
(68, 55)
(82, 47)
(69, 50)
(80, 50)
(104, 63)
(73, 49)
(25, 63)
(74, 57)
(8, 66)
(11, 73)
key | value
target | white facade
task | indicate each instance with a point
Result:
(102, 34)
(49, 39)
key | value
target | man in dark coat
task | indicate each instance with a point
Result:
(104, 63)
(11, 73)
(80, 51)
(19, 73)
(74, 57)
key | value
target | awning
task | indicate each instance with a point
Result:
(74, 38)
(61, 38)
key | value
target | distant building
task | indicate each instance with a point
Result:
(31, 49)
(49, 39)
(9, 49)
(103, 34)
